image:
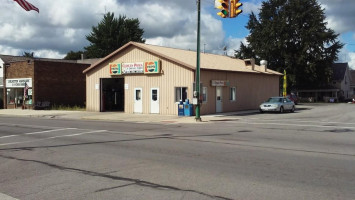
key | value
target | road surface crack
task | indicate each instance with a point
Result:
(132, 181)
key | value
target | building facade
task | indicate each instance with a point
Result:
(338, 90)
(4, 61)
(36, 83)
(140, 78)
(352, 84)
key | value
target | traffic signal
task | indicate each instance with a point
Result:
(223, 5)
(235, 11)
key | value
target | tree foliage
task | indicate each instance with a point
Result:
(112, 33)
(292, 35)
(28, 54)
(71, 55)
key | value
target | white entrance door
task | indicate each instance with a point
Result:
(154, 100)
(138, 104)
(219, 104)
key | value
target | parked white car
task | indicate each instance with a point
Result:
(277, 104)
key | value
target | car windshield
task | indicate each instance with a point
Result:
(274, 100)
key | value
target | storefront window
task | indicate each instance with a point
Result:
(15, 96)
(180, 94)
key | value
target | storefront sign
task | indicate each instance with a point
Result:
(132, 68)
(18, 83)
(152, 67)
(115, 69)
(219, 82)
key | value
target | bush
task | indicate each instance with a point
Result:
(68, 107)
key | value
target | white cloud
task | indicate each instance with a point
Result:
(253, 6)
(352, 60)
(340, 14)
(48, 53)
(6, 50)
(58, 31)
(346, 56)
(61, 26)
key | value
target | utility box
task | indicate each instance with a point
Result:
(181, 109)
(188, 108)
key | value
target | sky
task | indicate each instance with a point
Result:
(62, 26)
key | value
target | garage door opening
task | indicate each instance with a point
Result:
(112, 94)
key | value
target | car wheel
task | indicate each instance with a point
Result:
(293, 109)
(261, 111)
(281, 109)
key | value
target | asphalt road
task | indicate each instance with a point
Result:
(309, 154)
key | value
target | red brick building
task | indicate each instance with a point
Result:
(41, 83)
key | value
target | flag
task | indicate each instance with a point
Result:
(25, 91)
(284, 92)
(27, 6)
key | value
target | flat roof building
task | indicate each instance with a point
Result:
(39, 83)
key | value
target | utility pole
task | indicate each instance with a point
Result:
(197, 83)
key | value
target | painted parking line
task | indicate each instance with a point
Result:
(54, 137)
(38, 132)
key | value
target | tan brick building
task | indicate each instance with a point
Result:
(50, 82)
(140, 78)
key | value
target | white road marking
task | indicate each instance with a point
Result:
(300, 120)
(301, 125)
(39, 132)
(60, 136)
(6, 197)
(31, 126)
(7, 136)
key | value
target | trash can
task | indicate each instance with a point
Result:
(188, 108)
(181, 109)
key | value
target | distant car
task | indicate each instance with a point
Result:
(293, 98)
(277, 104)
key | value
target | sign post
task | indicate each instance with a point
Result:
(197, 85)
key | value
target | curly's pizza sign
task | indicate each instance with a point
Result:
(150, 67)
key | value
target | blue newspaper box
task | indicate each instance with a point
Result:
(181, 109)
(188, 108)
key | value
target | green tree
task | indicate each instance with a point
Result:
(73, 55)
(292, 35)
(112, 33)
(28, 54)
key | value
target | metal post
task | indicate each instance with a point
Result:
(197, 85)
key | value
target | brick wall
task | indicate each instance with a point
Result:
(23, 69)
(16, 70)
(59, 83)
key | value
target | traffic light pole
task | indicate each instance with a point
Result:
(197, 85)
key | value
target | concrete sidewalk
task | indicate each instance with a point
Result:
(118, 116)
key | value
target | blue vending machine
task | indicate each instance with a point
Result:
(188, 108)
(181, 109)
